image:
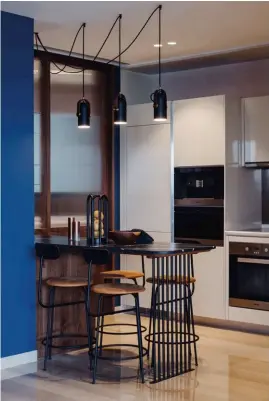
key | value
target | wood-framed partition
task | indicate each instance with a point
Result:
(46, 201)
(72, 318)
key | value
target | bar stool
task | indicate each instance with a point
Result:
(133, 275)
(113, 290)
(47, 252)
(189, 283)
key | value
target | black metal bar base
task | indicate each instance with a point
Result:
(171, 333)
(193, 338)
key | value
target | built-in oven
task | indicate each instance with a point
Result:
(198, 204)
(249, 275)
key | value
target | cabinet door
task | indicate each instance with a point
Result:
(199, 132)
(208, 298)
(147, 200)
(256, 129)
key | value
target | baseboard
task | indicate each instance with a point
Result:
(216, 323)
(18, 365)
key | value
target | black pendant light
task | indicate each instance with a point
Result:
(120, 110)
(83, 105)
(159, 97)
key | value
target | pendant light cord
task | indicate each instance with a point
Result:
(160, 45)
(108, 62)
(106, 39)
(136, 37)
(83, 57)
(120, 17)
(60, 69)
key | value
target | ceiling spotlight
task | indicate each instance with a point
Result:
(171, 43)
(158, 45)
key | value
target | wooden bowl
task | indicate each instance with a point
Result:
(124, 237)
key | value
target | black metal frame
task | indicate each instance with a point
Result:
(171, 331)
(102, 203)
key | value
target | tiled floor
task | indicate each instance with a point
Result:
(233, 366)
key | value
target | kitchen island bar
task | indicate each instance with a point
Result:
(171, 336)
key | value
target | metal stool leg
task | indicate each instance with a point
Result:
(100, 298)
(48, 331)
(89, 328)
(51, 320)
(139, 336)
(102, 328)
(193, 330)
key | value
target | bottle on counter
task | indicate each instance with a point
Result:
(73, 229)
(69, 229)
(78, 231)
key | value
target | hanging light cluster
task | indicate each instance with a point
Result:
(158, 97)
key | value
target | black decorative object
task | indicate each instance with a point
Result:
(83, 105)
(159, 97)
(120, 110)
(97, 219)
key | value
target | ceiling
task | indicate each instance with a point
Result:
(198, 27)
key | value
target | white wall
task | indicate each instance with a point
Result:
(136, 87)
(242, 79)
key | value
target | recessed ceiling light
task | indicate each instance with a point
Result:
(158, 45)
(171, 43)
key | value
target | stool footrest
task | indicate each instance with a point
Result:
(127, 358)
(113, 333)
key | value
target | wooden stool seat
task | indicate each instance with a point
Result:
(117, 289)
(67, 282)
(117, 274)
(173, 280)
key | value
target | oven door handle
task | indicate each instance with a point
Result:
(253, 261)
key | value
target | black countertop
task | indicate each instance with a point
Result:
(147, 250)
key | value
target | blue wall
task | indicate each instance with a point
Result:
(18, 294)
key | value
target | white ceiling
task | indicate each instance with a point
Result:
(197, 27)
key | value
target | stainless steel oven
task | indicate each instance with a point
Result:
(249, 275)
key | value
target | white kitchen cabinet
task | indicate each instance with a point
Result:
(209, 294)
(256, 129)
(146, 178)
(199, 131)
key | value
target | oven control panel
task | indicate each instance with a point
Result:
(244, 249)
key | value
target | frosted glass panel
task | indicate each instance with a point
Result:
(75, 155)
(76, 159)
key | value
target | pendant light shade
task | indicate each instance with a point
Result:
(83, 105)
(120, 111)
(159, 97)
(83, 113)
(159, 105)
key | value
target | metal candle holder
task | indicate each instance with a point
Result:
(97, 203)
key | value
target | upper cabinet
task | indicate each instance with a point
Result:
(199, 131)
(256, 129)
